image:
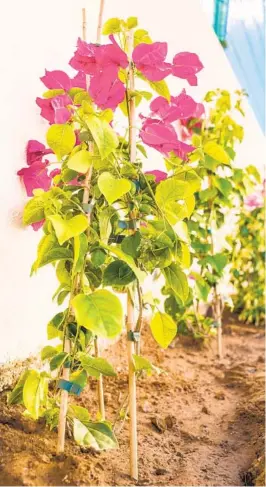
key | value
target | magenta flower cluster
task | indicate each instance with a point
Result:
(98, 69)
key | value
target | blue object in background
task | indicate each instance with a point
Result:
(241, 24)
(221, 18)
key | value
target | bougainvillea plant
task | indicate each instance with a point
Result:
(106, 223)
(248, 260)
(224, 186)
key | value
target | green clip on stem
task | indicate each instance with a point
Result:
(70, 387)
(87, 207)
(133, 336)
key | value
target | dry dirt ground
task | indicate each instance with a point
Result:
(200, 423)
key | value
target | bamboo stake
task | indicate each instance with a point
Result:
(63, 408)
(86, 193)
(130, 305)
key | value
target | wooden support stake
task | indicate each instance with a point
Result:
(63, 408)
(67, 347)
(130, 305)
(86, 193)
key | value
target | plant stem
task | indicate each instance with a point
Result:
(130, 304)
(139, 321)
(217, 311)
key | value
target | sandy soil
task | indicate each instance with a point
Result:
(200, 423)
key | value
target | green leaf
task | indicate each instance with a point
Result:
(105, 223)
(171, 189)
(186, 257)
(46, 244)
(48, 352)
(113, 188)
(140, 275)
(98, 257)
(101, 312)
(141, 36)
(80, 162)
(58, 360)
(34, 393)
(80, 251)
(217, 152)
(118, 274)
(34, 210)
(163, 329)
(53, 93)
(130, 245)
(132, 22)
(207, 194)
(161, 88)
(189, 204)
(16, 396)
(66, 229)
(252, 171)
(80, 413)
(94, 275)
(190, 177)
(62, 273)
(141, 363)
(219, 262)
(79, 377)
(83, 96)
(96, 365)
(95, 435)
(53, 327)
(103, 135)
(112, 26)
(61, 139)
(53, 255)
(177, 281)
(224, 186)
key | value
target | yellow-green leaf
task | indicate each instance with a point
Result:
(113, 188)
(61, 139)
(112, 26)
(163, 329)
(100, 312)
(103, 135)
(81, 161)
(217, 152)
(66, 229)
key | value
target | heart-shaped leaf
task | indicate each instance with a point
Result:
(103, 135)
(113, 188)
(61, 139)
(163, 329)
(101, 312)
(217, 152)
(80, 162)
(66, 229)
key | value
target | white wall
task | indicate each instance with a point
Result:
(35, 35)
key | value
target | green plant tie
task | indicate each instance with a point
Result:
(133, 336)
(70, 387)
(87, 207)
